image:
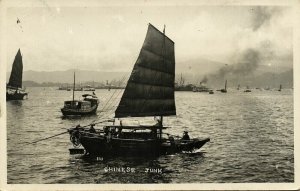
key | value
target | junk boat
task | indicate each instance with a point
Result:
(149, 92)
(225, 89)
(280, 88)
(87, 106)
(14, 90)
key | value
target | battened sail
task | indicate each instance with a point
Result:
(15, 79)
(150, 88)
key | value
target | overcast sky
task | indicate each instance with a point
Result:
(109, 38)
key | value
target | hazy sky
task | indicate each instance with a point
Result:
(109, 38)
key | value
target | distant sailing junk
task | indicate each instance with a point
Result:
(87, 106)
(14, 89)
(280, 87)
(225, 88)
(149, 92)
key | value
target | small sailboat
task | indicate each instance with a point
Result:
(149, 92)
(14, 89)
(280, 87)
(225, 89)
(87, 106)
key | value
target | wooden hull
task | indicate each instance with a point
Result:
(15, 96)
(99, 145)
(90, 111)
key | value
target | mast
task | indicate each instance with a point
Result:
(226, 85)
(280, 87)
(73, 87)
(164, 52)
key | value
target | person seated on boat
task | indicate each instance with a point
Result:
(158, 122)
(185, 136)
(92, 129)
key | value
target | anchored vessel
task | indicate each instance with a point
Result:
(201, 88)
(87, 106)
(14, 89)
(225, 88)
(149, 92)
(280, 87)
(247, 90)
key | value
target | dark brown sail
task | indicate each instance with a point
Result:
(149, 92)
(15, 79)
(150, 88)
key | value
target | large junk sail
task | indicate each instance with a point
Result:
(15, 79)
(150, 88)
(149, 92)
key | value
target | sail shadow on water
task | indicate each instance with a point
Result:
(149, 93)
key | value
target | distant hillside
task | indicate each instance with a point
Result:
(67, 76)
(187, 71)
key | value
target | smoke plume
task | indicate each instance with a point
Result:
(246, 64)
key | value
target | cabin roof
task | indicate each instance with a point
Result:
(86, 95)
(82, 101)
(140, 127)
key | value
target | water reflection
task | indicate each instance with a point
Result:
(251, 138)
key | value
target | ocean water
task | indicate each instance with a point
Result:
(252, 140)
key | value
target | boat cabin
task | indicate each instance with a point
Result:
(82, 105)
(91, 98)
(133, 132)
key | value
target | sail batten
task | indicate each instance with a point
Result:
(150, 88)
(152, 77)
(15, 79)
(153, 61)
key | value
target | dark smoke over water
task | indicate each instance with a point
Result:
(245, 64)
(258, 50)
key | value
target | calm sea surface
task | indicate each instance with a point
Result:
(252, 140)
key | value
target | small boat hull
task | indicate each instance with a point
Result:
(223, 90)
(99, 146)
(68, 111)
(16, 96)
